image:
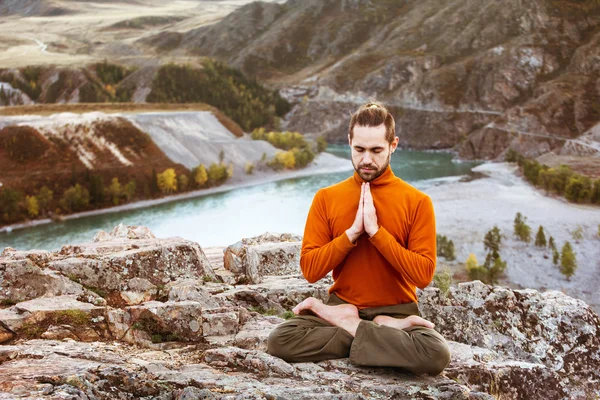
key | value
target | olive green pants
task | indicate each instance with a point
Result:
(310, 338)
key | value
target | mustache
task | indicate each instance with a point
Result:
(368, 166)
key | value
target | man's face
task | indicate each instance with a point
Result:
(371, 152)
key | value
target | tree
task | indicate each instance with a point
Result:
(540, 238)
(249, 168)
(76, 198)
(96, 190)
(493, 240)
(496, 270)
(33, 208)
(217, 174)
(167, 181)
(129, 190)
(321, 144)
(200, 175)
(551, 243)
(445, 247)
(182, 182)
(9, 205)
(115, 191)
(154, 189)
(578, 189)
(221, 156)
(522, 230)
(595, 196)
(577, 234)
(555, 256)
(229, 171)
(568, 261)
(44, 197)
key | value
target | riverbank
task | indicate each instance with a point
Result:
(465, 211)
(324, 163)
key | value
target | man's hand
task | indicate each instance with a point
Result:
(358, 226)
(369, 213)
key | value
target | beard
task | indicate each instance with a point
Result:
(374, 172)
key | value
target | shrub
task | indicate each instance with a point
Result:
(568, 261)
(595, 196)
(217, 174)
(540, 238)
(283, 160)
(129, 190)
(551, 243)
(249, 168)
(555, 256)
(443, 280)
(577, 234)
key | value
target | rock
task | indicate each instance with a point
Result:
(258, 362)
(190, 289)
(549, 329)
(63, 316)
(5, 333)
(157, 322)
(220, 322)
(21, 279)
(130, 271)
(267, 254)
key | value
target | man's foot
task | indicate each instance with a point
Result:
(344, 316)
(413, 320)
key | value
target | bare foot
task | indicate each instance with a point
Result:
(344, 316)
(413, 320)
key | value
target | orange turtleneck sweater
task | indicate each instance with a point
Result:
(373, 271)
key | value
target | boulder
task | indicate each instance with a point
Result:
(268, 254)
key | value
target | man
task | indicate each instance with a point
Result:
(377, 234)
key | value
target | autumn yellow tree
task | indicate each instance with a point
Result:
(115, 191)
(167, 181)
(33, 208)
(200, 176)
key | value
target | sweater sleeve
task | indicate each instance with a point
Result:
(417, 261)
(321, 252)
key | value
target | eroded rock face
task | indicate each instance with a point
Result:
(549, 328)
(199, 337)
(267, 254)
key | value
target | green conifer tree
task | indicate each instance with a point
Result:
(540, 238)
(568, 261)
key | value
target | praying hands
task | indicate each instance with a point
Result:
(366, 216)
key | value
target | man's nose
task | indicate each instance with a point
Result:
(367, 158)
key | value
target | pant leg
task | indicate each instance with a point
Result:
(417, 349)
(309, 338)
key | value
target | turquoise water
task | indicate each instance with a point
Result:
(224, 218)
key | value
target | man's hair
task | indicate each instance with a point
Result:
(373, 114)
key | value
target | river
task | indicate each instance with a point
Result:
(224, 218)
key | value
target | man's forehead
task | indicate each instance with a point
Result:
(369, 136)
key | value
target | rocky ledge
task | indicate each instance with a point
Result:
(130, 316)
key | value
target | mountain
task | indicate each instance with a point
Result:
(477, 78)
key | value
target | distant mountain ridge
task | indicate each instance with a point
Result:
(476, 78)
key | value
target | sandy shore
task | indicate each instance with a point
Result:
(465, 211)
(324, 163)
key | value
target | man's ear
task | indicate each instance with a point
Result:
(349, 140)
(395, 143)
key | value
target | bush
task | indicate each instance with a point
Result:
(217, 174)
(577, 234)
(33, 208)
(445, 248)
(555, 256)
(568, 261)
(182, 182)
(595, 196)
(9, 205)
(551, 243)
(443, 280)
(540, 238)
(249, 168)
(283, 160)
(129, 190)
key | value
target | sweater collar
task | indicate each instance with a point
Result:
(383, 179)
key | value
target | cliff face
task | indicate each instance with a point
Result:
(112, 318)
(458, 75)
